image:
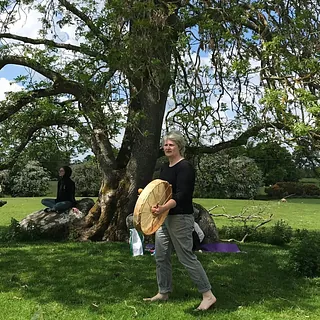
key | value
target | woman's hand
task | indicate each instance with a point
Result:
(158, 209)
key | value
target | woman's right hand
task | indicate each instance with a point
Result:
(157, 209)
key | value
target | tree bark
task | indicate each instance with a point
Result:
(119, 190)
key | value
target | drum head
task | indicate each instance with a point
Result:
(156, 192)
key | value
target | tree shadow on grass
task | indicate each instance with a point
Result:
(257, 275)
(75, 274)
(3, 233)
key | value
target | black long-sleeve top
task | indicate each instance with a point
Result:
(182, 178)
(66, 190)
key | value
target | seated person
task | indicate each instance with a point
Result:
(65, 193)
(197, 236)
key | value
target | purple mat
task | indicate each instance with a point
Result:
(220, 247)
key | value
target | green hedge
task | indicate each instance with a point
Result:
(297, 189)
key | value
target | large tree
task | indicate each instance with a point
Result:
(275, 162)
(232, 69)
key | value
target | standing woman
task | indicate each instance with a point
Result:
(176, 231)
(65, 193)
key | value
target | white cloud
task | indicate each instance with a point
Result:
(28, 25)
(7, 86)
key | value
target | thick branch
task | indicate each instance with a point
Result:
(61, 84)
(102, 149)
(49, 43)
(86, 19)
(241, 140)
(9, 108)
(26, 138)
(129, 134)
(30, 63)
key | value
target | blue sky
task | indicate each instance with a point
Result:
(7, 74)
(10, 72)
(28, 25)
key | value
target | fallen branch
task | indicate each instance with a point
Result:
(256, 227)
(244, 218)
(216, 206)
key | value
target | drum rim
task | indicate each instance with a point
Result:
(142, 199)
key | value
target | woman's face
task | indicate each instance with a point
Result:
(61, 172)
(171, 149)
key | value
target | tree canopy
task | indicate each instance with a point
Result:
(275, 162)
(260, 68)
(220, 71)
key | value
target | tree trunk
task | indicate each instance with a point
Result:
(119, 190)
(150, 79)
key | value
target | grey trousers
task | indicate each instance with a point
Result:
(176, 232)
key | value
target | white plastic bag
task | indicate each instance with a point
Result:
(136, 243)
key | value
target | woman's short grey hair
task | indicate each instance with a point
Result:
(178, 138)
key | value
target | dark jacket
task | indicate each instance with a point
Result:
(66, 187)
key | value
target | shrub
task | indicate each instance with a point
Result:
(218, 176)
(274, 191)
(234, 232)
(311, 190)
(87, 178)
(31, 181)
(304, 257)
(31, 233)
(15, 233)
(282, 189)
(279, 234)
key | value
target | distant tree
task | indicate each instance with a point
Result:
(53, 150)
(219, 176)
(275, 162)
(87, 178)
(4, 182)
(31, 181)
(307, 160)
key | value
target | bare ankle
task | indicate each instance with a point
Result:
(207, 294)
(162, 296)
(208, 300)
(158, 297)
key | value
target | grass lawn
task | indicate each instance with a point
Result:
(298, 213)
(18, 208)
(67, 280)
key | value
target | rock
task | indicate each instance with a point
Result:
(2, 203)
(85, 204)
(129, 221)
(53, 225)
(206, 223)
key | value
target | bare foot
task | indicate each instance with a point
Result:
(158, 297)
(208, 300)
